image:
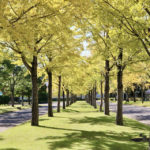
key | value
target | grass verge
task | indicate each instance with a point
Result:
(79, 127)
(9, 108)
(138, 103)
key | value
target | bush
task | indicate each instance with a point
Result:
(43, 97)
(4, 100)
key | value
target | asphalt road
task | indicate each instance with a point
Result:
(139, 113)
(8, 120)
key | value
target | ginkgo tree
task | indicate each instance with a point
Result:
(29, 35)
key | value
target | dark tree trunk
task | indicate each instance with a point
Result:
(94, 97)
(35, 110)
(91, 97)
(134, 97)
(12, 98)
(71, 99)
(50, 103)
(107, 87)
(127, 96)
(59, 91)
(64, 105)
(22, 102)
(142, 94)
(101, 104)
(86, 98)
(67, 97)
(116, 96)
(119, 117)
(29, 101)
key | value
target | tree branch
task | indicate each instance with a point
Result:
(25, 63)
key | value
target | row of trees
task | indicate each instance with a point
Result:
(120, 37)
(48, 38)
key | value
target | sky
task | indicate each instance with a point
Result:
(85, 52)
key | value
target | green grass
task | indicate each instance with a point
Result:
(80, 127)
(9, 108)
(139, 103)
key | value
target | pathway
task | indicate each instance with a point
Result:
(8, 120)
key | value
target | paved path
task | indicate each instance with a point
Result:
(139, 113)
(8, 120)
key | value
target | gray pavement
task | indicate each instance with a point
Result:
(139, 113)
(8, 120)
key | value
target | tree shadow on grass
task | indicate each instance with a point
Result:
(9, 149)
(1, 139)
(70, 110)
(136, 125)
(43, 119)
(95, 140)
(103, 120)
(109, 120)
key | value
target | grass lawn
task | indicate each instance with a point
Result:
(9, 108)
(79, 127)
(137, 103)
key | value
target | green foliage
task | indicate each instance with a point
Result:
(12, 78)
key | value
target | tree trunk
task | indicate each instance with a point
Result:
(115, 96)
(67, 97)
(50, 103)
(35, 110)
(29, 101)
(107, 87)
(127, 96)
(22, 102)
(88, 97)
(12, 98)
(91, 97)
(59, 90)
(101, 104)
(64, 106)
(134, 97)
(142, 94)
(94, 97)
(71, 99)
(119, 117)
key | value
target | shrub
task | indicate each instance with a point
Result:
(4, 100)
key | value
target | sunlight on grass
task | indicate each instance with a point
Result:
(139, 103)
(8, 108)
(80, 127)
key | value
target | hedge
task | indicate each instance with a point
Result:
(4, 100)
